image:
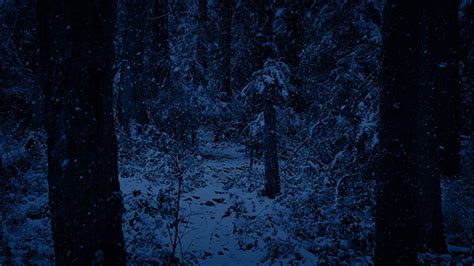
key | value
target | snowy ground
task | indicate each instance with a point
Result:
(223, 219)
(217, 214)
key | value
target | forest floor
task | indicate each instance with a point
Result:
(223, 219)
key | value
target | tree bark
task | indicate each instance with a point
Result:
(272, 172)
(396, 223)
(160, 44)
(437, 97)
(226, 9)
(468, 71)
(134, 51)
(448, 42)
(293, 19)
(76, 39)
(264, 47)
(264, 34)
(202, 47)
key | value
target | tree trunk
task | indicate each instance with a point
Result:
(134, 50)
(264, 35)
(272, 173)
(396, 230)
(468, 72)
(468, 69)
(448, 43)
(226, 8)
(160, 44)
(202, 47)
(294, 42)
(264, 47)
(76, 39)
(293, 19)
(439, 82)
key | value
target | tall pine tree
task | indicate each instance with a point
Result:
(77, 51)
(226, 11)
(396, 219)
(446, 14)
(264, 47)
(438, 116)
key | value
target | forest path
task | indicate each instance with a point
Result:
(223, 218)
(210, 210)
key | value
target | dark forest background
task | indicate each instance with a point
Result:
(328, 132)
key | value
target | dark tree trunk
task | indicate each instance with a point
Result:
(396, 229)
(439, 83)
(294, 42)
(264, 34)
(272, 173)
(264, 42)
(293, 18)
(134, 51)
(447, 22)
(226, 9)
(161, 65)
(202, 47)
(76, 40)
(468, 71)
